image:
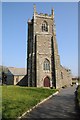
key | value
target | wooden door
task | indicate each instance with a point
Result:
(46, 82)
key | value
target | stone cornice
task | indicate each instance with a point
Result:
(43, 33)
(44, 16)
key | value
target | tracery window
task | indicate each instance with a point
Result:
(46, 64)
(44, 27)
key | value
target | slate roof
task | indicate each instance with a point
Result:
(65, 68)
(17, 71)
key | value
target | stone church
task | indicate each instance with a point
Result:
(43, 61)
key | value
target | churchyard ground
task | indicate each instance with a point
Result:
(16, 100)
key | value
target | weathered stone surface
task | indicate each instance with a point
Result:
(42, 45)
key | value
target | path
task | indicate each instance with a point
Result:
(60, 106)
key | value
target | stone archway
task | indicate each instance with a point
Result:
(47, 82)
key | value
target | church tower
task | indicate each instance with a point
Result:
(43, 61)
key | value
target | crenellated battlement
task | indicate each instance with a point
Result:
(43, 15)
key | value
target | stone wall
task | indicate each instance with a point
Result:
(10, 80)
(43, 52)
(66, 77)
(19, 78)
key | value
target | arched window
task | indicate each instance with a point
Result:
(46, 65)
(44, 27)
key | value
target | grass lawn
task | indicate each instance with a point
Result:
(16, 100)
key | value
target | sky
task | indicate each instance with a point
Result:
(14, 32)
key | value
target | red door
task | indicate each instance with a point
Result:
(46, 82)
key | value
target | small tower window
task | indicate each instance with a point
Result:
(61, 75)
(46, 65)
(44, 27)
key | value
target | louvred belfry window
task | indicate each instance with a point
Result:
(44, 27)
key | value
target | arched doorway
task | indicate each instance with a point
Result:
(47, 82)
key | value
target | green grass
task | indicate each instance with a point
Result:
(16, 100)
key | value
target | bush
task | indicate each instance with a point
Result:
(78, 96)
